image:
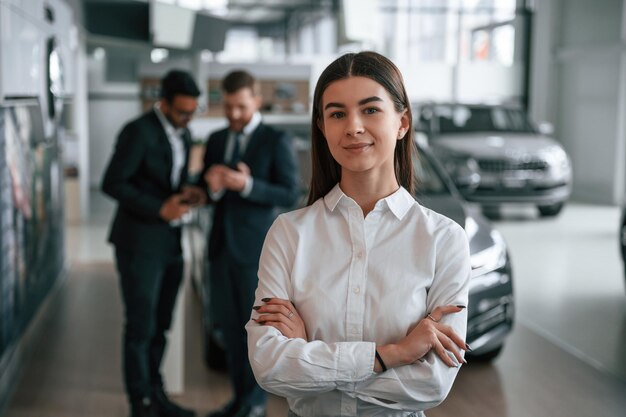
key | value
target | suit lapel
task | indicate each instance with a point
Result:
(255, 141)
(187, 146)
(220, 147)
(165, 146)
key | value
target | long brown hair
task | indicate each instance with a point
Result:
(326, 172)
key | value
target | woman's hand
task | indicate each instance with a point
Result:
(282, 315)
(428, 335)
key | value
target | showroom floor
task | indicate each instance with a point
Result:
(564, 357)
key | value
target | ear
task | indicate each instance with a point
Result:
(258, 101)
(404, 124)
(164, 105)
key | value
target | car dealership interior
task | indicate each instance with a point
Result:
(518, 122)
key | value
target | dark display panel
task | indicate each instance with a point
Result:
(31, 220)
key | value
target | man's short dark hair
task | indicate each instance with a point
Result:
(178, 82)
(236, 80)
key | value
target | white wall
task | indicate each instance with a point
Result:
(263, 70)
(578, 82)
(111, 105)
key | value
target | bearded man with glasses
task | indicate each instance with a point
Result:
(147, 175)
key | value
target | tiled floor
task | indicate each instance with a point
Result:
(569, 281)
(562, 359)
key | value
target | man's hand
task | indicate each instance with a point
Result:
(214, 177)
(193, 195)
(173, 208)
(235, 180)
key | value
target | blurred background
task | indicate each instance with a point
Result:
(520, 122)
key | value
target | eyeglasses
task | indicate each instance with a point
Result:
(198, 110)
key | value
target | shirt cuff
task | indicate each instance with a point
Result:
(247, 189)
(216, 196)
(356, 361)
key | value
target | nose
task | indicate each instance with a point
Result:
(234, 114)
(354, 126)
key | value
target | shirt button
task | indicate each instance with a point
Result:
(349, 409)
(355, 329)
(359, 255)
(357, 290)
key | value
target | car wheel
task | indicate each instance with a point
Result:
(486, 356)
(550, 210)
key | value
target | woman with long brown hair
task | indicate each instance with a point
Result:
(360, 308)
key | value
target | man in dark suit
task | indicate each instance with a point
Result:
(249, 170)
(147, 175)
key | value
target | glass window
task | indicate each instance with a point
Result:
(427, 178)
(466, 119)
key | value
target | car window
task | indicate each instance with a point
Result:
(466, 119)
(427, 178)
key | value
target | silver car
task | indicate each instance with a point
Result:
(495, 155)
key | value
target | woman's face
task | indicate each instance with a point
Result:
(361, 125)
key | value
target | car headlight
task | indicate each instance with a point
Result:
(559, 161)
(491, 258)
(464, 171)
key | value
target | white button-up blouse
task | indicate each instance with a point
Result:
(357, 283)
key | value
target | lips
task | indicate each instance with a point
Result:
(357, 146)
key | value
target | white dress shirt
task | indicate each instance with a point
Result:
(357, 283)
(247, 132)
(175, 137)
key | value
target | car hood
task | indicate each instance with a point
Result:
(493, 145)
(476, 227)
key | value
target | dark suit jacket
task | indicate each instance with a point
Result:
(240, 224)
(138, 177)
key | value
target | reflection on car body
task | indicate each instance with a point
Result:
(495, 155)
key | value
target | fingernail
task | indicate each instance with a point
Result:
(460, 306)
(468, 348)
(256, 307)
(265, 300)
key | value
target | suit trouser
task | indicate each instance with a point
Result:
(149, 286)
(232, 294)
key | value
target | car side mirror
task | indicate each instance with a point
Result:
(545, 128)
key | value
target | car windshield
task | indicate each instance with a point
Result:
(465, 119)
(427, 177)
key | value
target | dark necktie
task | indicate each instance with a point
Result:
(236, 155)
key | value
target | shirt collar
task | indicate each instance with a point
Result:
(252, 124)
(169, 129)
(398, 203)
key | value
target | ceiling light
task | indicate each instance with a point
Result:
(99, 53)
(158, 55)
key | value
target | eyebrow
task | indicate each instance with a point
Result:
(362, 102)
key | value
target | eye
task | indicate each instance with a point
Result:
(336, 115)
(371, 110)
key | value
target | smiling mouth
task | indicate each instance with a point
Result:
(358, 146)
